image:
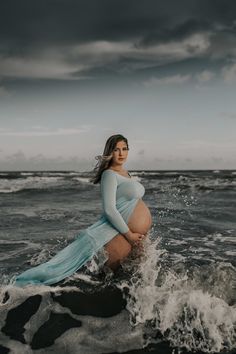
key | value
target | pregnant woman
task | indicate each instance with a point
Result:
(140, 220)
(123, 225)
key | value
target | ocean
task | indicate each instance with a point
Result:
(178, 297)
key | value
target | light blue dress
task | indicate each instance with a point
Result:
(120, 195)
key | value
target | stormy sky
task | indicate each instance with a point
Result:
(162, 73)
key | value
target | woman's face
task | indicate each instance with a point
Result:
(120, 153)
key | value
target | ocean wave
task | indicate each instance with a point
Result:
(32, 182)
(16, 248)
(194, 308)
(189, 307)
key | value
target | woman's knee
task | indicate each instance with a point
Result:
(124, 248)
(118, 247)
(128, 247)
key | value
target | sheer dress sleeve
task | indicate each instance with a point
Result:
(108, 191)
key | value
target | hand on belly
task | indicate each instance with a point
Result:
(141, 219)
(119, 248)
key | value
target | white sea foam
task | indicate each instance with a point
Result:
(51, 214)
(181, 308)
(171, 173)
(95, 336)
(217, 236)
(82, 179)
(31, 182)
(230, 253)
(177, 242)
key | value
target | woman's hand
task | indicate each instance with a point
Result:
(134, 238)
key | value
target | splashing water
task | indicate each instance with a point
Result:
(175, 306)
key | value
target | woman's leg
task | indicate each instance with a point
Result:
(118, 249)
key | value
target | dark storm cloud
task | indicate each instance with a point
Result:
(57, 34)
(174, 31)
(25, 22)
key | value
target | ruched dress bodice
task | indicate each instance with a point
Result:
(119, 196)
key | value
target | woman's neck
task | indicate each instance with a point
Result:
(119, 169)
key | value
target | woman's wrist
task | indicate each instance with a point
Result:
(128, 235)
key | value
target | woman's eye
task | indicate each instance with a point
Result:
(124, 149)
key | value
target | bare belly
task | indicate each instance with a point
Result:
(141, 219)
(119, 248)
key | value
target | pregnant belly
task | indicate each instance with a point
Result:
(140, 219)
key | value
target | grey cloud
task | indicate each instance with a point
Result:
(216, 159)
(169, 80)
(4, 92)
(70, 39)
(174, 32)
(46, 132)
(18, 161)
(228, 115)
(186, 163)
(141, 152)
(178, 79)
(204, 76)
(18, 156)
(229, 73)
(122, 57)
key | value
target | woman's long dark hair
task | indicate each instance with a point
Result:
(104, 160)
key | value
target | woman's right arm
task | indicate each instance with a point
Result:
(108, 190)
